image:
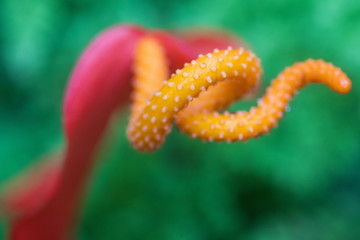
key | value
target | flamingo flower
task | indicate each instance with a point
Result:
(44, 203)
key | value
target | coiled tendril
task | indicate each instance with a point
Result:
(193, 95)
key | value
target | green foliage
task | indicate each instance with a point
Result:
(300, 182)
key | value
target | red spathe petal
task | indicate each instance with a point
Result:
(32, 188)
(101, 79)
(99, 83)
(191, 43)
(203, 41)
(177, 51)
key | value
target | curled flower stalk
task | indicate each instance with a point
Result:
(193, 95)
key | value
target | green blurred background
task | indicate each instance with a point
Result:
(300, 182)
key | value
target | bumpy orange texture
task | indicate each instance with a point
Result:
(193, 95)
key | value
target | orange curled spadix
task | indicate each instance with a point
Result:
(193, 95)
